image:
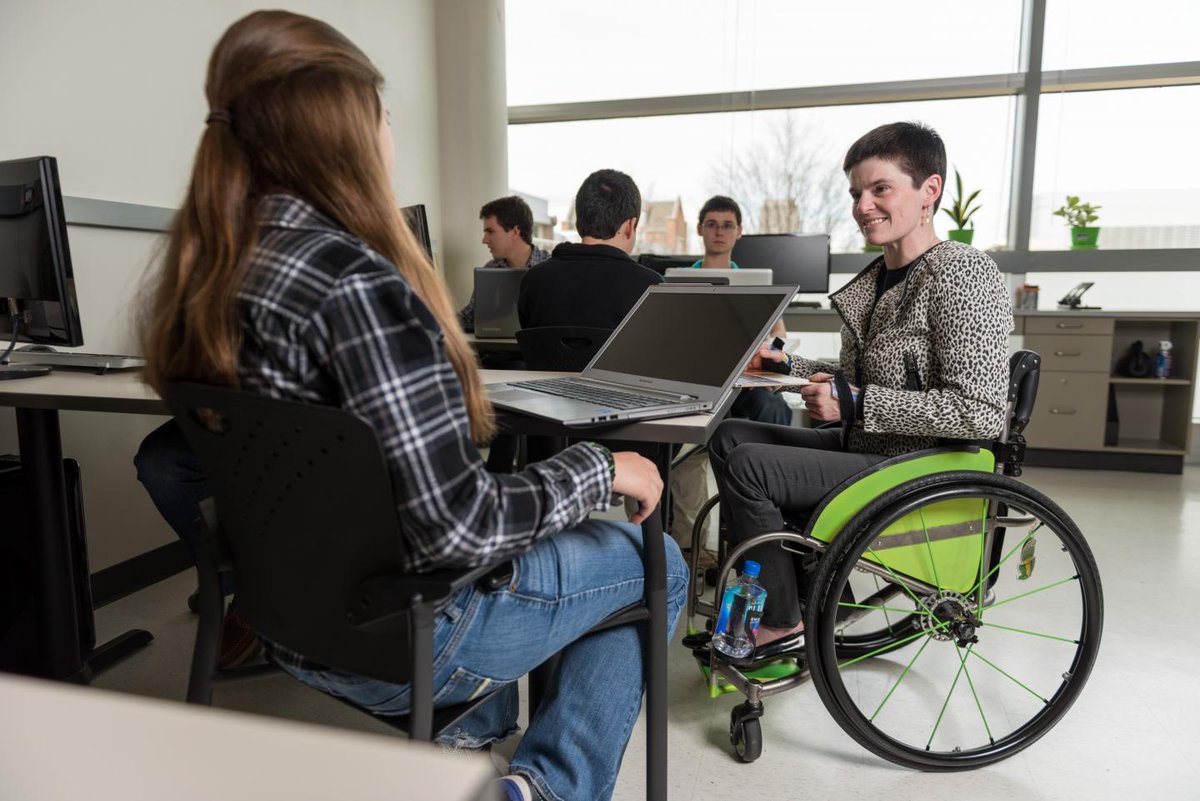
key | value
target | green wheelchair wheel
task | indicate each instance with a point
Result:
(967, 640)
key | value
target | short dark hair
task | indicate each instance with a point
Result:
(606, 199)
(720, 203)
(511, 212)
(912, 146)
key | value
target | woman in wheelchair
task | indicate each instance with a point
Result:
(291, 273)
(924, 357)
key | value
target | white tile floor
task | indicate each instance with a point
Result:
(1134, 733)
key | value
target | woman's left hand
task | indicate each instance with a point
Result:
(819, 399)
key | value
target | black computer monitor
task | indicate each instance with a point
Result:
(661, 263)
(35, 260)
(800, 260)
(418, 223)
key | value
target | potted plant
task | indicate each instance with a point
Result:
(961, 212)
(1079, 217)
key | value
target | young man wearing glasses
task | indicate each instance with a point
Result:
(720, 227)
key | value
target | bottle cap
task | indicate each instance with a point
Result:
(751, 568)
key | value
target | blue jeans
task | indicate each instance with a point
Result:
(169, 470)
(485, 641)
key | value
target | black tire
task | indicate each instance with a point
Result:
(1071, 567)
(745, 732)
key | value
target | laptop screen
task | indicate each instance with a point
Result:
(690, 337)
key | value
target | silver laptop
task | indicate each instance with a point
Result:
(678, 351)
(736, 277)
(496, 291)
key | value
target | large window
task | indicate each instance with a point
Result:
(783, 167)
(1107, 33)
(1124, 151)
(569, 52)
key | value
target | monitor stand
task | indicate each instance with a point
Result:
(8, 371)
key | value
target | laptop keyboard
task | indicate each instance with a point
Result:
(577, 390)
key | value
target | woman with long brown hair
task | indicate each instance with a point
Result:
(291, 273)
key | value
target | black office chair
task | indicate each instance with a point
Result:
(561, 347)
(304, 517)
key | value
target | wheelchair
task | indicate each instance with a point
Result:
(953, 615)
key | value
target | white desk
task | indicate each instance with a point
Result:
(59, 741)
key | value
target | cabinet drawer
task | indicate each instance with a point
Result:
(1076, 352)
(1069, 412)
(1069, 325)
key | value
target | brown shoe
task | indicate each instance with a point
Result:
(239, 642)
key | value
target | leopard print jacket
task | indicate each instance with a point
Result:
(931, 357)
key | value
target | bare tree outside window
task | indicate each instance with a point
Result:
(790, 181)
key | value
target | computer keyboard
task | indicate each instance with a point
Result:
(99, 362)
(578, 390)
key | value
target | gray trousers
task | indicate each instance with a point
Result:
(764, 471)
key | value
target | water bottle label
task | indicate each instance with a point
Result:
(723, 617)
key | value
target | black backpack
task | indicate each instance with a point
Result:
(1136, 363)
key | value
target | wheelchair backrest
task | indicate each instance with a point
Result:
(1023, 370)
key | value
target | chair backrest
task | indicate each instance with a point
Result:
(307, 512)
(561, 347)
(1024, 369)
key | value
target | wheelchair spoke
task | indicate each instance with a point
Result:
(979, 705)
(893, 646)
(1034, 633)
(898, 580)
(1008, 676)
(1035, 592)
(999, 564)
(929, 547)
(945, 704)
(886, 619)
(900, 678)
(886, 609)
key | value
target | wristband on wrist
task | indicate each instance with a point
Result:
(607, 454)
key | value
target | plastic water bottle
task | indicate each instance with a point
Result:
(1162, 362)
(741, 609)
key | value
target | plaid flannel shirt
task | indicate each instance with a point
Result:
(466, 315)
(326, 319)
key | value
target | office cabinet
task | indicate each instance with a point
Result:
(1080, 356)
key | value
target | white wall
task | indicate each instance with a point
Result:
(114, 90)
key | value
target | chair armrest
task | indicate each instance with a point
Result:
(383, 597)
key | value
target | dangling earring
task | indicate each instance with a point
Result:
(925, 216)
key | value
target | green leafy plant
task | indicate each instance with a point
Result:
(1076, 214)
(962, 211)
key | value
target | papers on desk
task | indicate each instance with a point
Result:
(766, 378)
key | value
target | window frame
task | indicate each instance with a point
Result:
(1027, 85)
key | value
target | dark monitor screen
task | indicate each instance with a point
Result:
(694, 337)
(660, 263)
(418, 223)
(800, 260)
(35, 259)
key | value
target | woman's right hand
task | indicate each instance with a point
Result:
(765, 353)
(635, 476)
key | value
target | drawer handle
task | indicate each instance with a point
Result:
(1065, 410)
(1068, 325)
(1068, 353)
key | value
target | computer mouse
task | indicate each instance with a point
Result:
(37, 349)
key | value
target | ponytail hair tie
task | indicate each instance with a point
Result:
(217, 116)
